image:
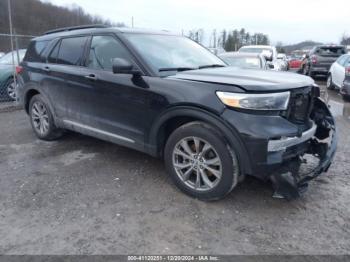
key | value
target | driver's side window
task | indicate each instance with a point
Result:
(103, 50)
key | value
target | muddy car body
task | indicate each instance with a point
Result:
(212, 124)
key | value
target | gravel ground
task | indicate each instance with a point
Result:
(80, 195)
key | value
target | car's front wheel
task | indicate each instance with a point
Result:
(329, 83)
(42, 119)
(200, 162)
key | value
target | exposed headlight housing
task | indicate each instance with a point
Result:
(267, 101)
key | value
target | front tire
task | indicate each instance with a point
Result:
(41, 119)
(329, 84)
(200, 162)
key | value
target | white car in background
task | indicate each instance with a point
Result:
(2, 54)
(269, 52)
(338, 71)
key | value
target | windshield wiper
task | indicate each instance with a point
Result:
(178, 69)
(210, 66)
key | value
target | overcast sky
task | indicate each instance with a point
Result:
(287, 21)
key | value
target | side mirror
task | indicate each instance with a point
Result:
(122, 66)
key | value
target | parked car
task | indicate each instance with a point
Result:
(282, 60)
(2, 54)
(269, 52)
(320, 59)
(295, 62)
(246, 60)
(338, 76)
(7, 85)
(169, 97)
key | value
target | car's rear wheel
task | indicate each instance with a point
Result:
(42, 119)
(329, 83)
(200, 162)
(11, 89)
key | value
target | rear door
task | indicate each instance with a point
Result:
(63, 76)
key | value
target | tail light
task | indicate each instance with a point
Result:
(19, 69)
(347, 71)
(314, 59)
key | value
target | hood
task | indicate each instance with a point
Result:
(248, 79)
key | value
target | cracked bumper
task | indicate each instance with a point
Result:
(288, 181)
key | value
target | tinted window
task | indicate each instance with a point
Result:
(35, 51)
(330, 51)
(71, 50)
(53, 55)
(103, 50)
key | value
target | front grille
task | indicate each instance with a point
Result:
(300, 105)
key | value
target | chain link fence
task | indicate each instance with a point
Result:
(9, 59)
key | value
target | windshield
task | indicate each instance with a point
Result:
(245, 62)
(7, 59)
(256, 50)
(167, 51)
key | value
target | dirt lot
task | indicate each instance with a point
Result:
(80, 195)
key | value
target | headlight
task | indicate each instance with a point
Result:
(272, 101)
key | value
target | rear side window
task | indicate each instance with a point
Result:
(70, 51)
(35, 51)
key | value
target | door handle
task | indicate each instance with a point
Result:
(91, 77)
(46, 69)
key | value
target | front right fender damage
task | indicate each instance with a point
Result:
(289, 181)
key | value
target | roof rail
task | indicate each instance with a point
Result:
(71, 28)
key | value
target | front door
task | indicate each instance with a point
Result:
(112, 105)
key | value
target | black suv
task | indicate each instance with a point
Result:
(320, 59)
(169, 97)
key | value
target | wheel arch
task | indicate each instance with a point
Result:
(180, 115)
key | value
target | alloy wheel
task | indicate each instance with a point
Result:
(40, 117)
(329, 81)
(197, 163)
(11, 90)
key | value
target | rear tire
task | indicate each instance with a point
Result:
(41, 119)
(11, 89)
(200, 162)
(329, 84)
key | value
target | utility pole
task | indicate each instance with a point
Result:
(132, 22)
(12, 45)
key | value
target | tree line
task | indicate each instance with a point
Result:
(33, 17)
(230, 40)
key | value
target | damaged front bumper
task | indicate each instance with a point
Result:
(321, 141)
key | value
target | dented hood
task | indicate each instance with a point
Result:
(248, 79)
